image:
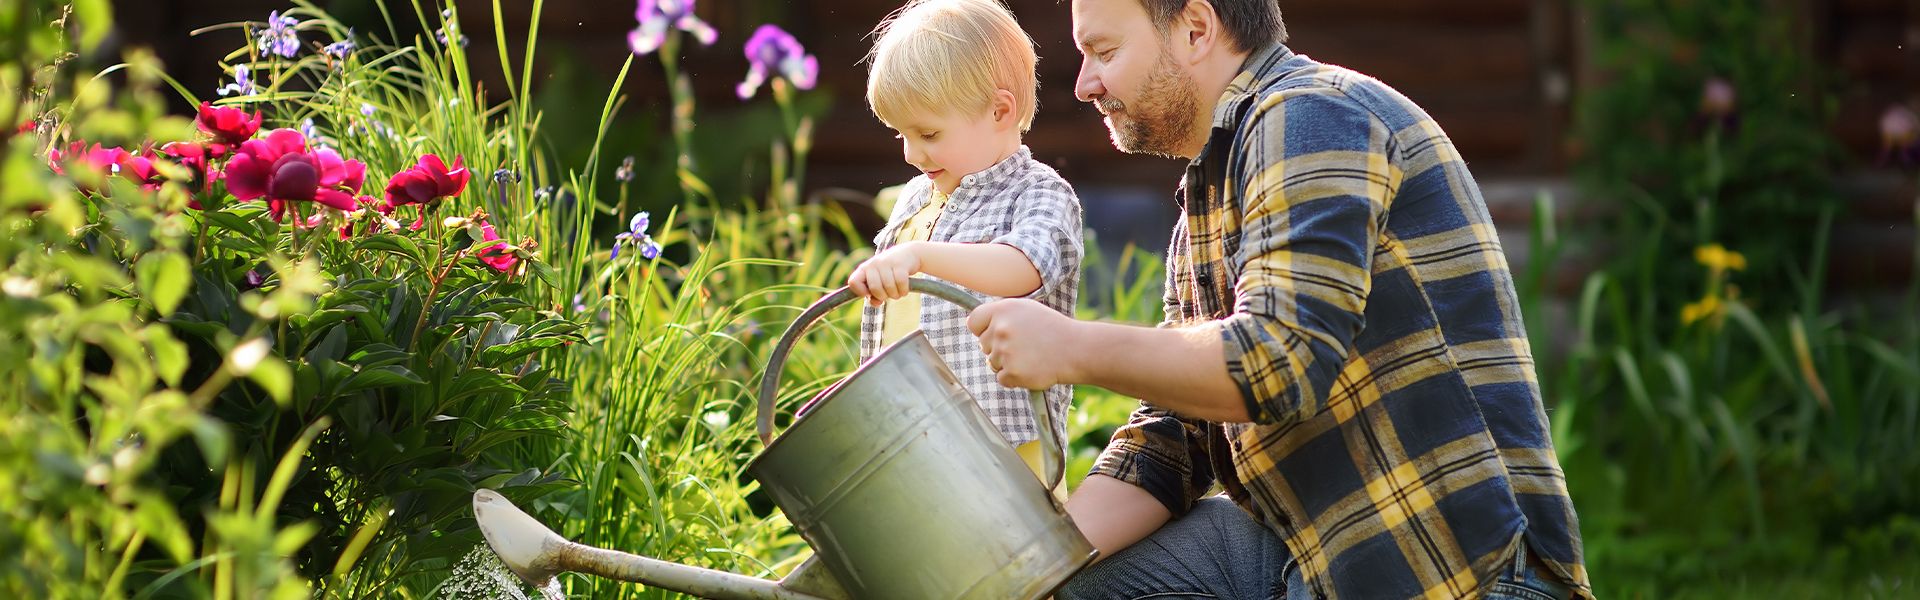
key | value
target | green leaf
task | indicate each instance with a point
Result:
(273, 376)
(480, 381)
(325, 318)
(164, 277)
(214, 442)
(169, 355)
(396, 244)
(496, 355)
(544, 273)
(330, 347)
(96, 19)
(294, 537)
(387, 376)
(378, 355)
(244, 246)
(157, 519)
(232, 222)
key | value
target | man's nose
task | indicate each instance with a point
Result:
(1086, 85)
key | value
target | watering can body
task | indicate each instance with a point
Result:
(905, 489)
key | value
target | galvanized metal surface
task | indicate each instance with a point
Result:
(905, 489)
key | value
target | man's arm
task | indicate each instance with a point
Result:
(1177, 369)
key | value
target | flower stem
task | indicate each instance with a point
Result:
(683, 104)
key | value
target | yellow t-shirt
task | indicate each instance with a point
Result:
(902, 317)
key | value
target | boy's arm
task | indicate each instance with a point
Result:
(1114, 514)
(1040, 253)
(989, 268)
(992, 269)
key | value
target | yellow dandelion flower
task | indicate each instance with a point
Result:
(1707, 308)
(1718, 258)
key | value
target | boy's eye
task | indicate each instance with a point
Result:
(929, 136)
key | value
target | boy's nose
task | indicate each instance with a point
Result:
(912, 155)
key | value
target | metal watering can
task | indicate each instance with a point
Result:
(894, 475)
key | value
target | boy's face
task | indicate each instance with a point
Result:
(947, 147)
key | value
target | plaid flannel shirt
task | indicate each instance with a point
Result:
(1019, 202)
(1399, 445)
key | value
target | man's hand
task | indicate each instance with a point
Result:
(885, 276)
(1028, 345)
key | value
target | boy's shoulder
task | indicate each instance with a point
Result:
(1026, 175)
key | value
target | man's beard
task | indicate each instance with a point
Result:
(1161, 120)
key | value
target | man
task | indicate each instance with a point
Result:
(1343, 351)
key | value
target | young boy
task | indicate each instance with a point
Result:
(955, 80)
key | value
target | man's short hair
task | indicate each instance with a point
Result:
(949, 56)
(1250, 24)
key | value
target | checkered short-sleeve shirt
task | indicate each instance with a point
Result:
(1019, 202)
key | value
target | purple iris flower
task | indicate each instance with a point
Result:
(279, 37)
(341, 48)
(637, 234)
(657, 16)
(242, 82)
(449, 34)
(774, 52)
(625, 172)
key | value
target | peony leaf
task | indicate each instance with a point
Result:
(164, 277)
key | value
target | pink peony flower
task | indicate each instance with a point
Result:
(108, 161)
(427, 182)
(493, 250)
(228, 126)
(281, 169)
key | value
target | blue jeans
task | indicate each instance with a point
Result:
(1218, 551)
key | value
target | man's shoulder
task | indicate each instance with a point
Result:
(1321, 90)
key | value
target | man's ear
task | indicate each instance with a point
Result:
(1197, 32)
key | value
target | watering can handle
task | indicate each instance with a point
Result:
(1052, 455)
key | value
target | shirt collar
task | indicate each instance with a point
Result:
(1012, 165)
(1255, 74)
(1259, 71)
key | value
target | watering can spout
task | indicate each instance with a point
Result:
(536, 554)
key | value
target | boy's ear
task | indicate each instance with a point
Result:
(1006, 110)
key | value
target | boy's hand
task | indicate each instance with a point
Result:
(885, 276)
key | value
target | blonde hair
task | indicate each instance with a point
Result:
(947, 56)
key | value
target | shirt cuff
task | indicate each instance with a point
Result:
(1044, 262)
(1131, 462)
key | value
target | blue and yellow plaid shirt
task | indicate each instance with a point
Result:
(1399, 445)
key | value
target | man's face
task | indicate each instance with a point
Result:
(1129, 73)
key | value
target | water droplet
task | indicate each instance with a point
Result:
(481, 576)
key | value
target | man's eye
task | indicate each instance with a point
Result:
(1106, 55)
